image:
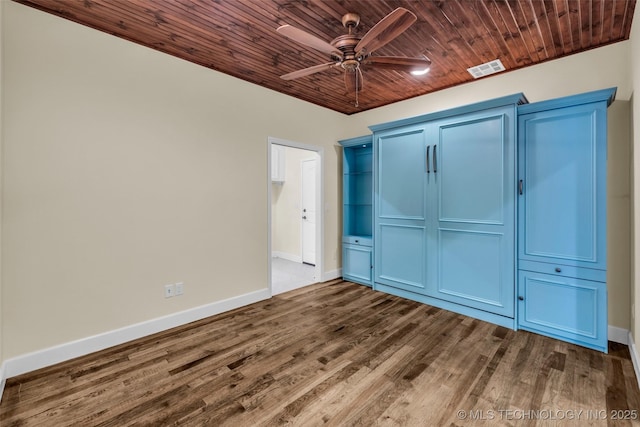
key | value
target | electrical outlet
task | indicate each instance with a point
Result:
(169, 291)
(179, 288)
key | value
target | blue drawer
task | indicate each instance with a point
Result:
(358, 240)
(564, 270)
(356, 264)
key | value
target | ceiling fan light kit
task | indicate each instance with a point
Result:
(352, 53)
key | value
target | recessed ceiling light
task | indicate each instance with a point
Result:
(420, 72)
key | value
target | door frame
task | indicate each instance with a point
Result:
(315, 227)
(319, 268)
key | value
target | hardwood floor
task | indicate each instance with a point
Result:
(335, 353)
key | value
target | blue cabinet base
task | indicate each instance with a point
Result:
(355, 280)
(507, 322)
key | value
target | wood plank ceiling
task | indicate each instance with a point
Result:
(239, 38)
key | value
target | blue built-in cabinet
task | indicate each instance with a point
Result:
(495, 210)
(562, 168)
(357, 211)
(444, 209)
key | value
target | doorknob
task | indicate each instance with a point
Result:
(304, 217)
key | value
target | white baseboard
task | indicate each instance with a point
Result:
(330, 275)
(618, 335)
(634, 357)
(284, 255)
(63, 352)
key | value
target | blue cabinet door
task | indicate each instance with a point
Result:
(562, 208)
(400, 229)
(570, 309)
(356, 263)
(474, 160)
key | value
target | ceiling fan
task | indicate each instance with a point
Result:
(350, 52)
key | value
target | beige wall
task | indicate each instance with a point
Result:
(286, 220)
(618, 215)
(125, 169)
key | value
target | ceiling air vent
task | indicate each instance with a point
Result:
(485, 69)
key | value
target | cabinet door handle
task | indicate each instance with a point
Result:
(435, 159)
(428, 147)
(520, 185)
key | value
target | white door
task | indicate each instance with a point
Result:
(308, 211)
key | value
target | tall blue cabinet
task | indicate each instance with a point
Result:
(562, 241)
(357, 211)
(495, 210)
(444, 209)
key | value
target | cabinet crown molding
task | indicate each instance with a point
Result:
(607, 95)
(515, 99)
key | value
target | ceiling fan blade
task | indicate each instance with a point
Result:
(390, 27)
(307, 39)
(353, 80)
(399, 63)
(308, 71)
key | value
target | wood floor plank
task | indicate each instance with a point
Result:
(336, 354)
(372, 390)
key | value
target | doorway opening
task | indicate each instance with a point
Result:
(295, 215)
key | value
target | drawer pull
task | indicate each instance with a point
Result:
(521, 298)
(558, 270)
(358, 241)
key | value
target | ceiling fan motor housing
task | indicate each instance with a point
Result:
(347, 45)
(350, 20)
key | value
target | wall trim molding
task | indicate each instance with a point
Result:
(619, 335)
(67, 351)
(320, 216)
(633, 351)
